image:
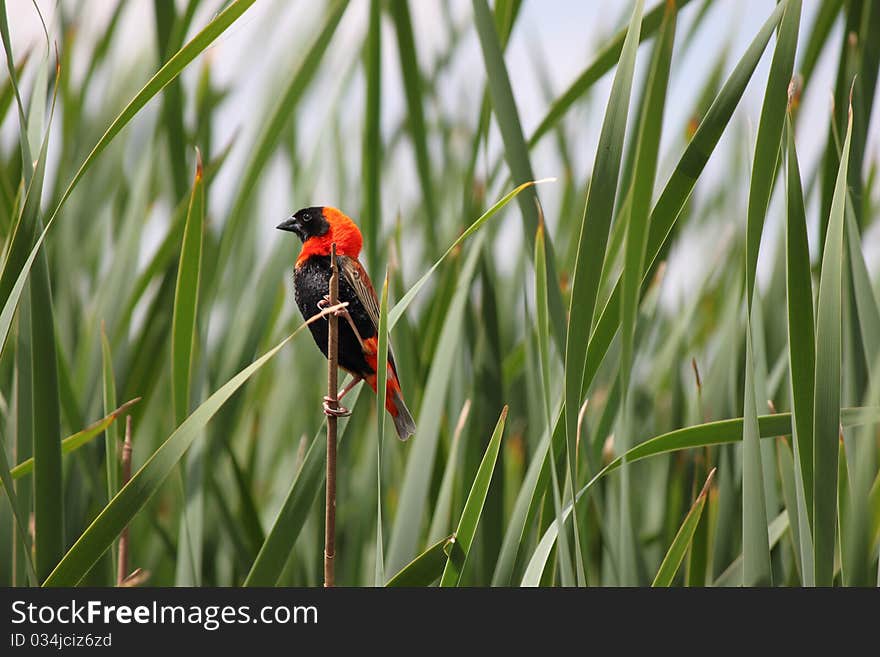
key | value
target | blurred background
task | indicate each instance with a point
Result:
(382, 109)
(549, 46)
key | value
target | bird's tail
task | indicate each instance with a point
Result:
(403, 420)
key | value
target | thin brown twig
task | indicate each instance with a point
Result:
(122, 570)
(332, 376)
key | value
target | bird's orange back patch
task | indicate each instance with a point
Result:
(343, 231)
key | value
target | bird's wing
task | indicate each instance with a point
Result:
(356, 276)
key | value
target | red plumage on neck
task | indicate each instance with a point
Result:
(343, 231)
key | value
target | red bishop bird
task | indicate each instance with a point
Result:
(318, 228)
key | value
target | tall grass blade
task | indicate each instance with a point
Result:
(566, 574)
(28, 220)
(801, 337)
(371, 152)
(400, 307)
(532, 489)
(167, 23)
(146, 481)
(604, 61)
(48, 473)
(865, 500)
(733, 574)
(844, 506)
(304, 490)
(826, 405)
(516, 153)
(680, 185)
(20, 523)
(825, 18)
(412, 87)
(27, 161)
(593, 234)
(381, 392)
(864, 458)
(167, 73)
(186, 298)
(459, 548)
(426, 568)
(867, 308)
(111, 435)
(414, 490)
(636, 227)
(184, 335)
(23, 573)
(785, 460)
(756, 547)
(675, 554)
(273, 125)
(701, 435)
(769, 137)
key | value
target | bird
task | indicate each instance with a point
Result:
(319, 227)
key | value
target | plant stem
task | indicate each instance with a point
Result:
(126, 475)
(332, 371)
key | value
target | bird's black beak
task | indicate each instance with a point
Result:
(290, 225)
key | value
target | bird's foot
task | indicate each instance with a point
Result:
(339, 312)
(339, 411)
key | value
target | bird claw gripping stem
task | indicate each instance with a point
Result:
(341, 411)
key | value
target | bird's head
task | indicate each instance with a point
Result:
(319, 227)
(306, 223)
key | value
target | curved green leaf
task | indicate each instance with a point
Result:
(146, 481)
(165, 74)
(425, 568)
(701, 435)
(675, 554)
(400, 307)
(159, 81)
(77, 440)
(460, 544)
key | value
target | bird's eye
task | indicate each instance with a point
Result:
(307, 218)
